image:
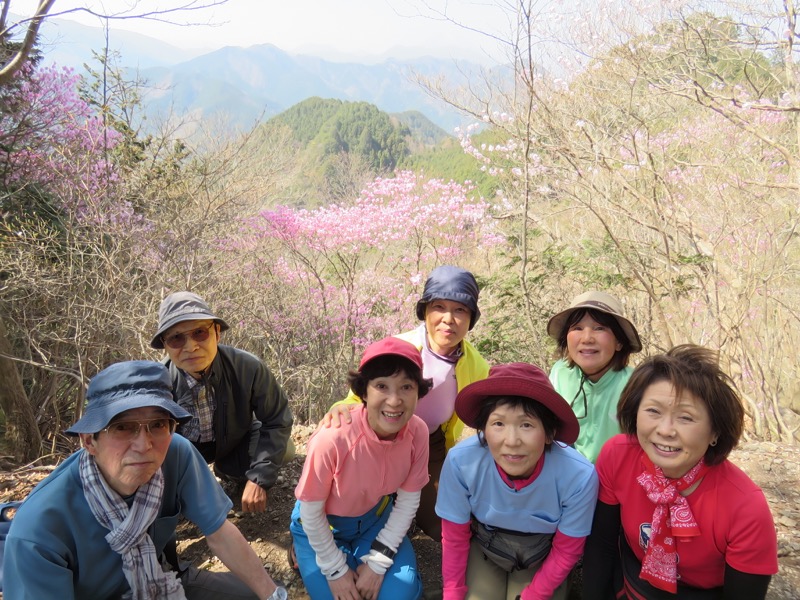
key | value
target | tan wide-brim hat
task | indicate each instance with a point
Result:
(601, 302)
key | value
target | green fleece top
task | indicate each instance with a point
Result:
(600, 421)
(470, 367)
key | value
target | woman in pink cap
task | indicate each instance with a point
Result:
(516, 501)
(361, 484)
(448, 310)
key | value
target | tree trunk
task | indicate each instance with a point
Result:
(22, 433)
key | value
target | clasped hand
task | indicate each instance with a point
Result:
(362, 584)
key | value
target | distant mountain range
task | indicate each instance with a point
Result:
(249, 85)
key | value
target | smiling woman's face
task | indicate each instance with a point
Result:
(516, 440)
(447, 323)
(675, 432)
(592, 346)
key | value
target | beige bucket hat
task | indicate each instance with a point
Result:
(602, 302)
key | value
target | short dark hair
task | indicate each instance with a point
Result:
(386, 366)
(694, 369)
(531, 407)
(621, 357)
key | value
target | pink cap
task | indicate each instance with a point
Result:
(395, 346)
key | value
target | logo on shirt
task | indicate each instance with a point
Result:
(644, 535)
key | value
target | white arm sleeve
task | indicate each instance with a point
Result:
(405, 507)
(331, 561)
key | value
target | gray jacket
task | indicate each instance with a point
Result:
(243, 385)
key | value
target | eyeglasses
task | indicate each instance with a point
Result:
(126, 431)
(178, 340)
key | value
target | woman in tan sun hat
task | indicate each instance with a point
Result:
(595, 341)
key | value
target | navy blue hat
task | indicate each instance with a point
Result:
(123, 386)
(451, 283)
(179, 307)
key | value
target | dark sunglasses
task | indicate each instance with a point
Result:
(178, 340)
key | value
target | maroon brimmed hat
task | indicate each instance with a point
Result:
(518, 379)
(395, 346)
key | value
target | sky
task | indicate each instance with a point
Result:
(334, 29)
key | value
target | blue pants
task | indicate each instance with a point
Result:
(354, 536)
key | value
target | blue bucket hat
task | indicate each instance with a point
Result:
(123, 386)
(179, 307)
(451, 283)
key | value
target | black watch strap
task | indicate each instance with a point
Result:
(383, 549)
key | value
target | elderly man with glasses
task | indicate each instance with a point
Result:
(102, 525)
(240, 418)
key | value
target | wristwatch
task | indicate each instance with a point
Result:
(383, 549)
(279, 594)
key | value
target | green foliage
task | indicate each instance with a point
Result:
(360, 128)
(424, 133)
(449, 161)
(326, 128)
(307, 118)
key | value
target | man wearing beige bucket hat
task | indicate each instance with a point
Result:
(595, 341)
(240, 417)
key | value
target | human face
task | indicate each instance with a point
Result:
(516, 440)
(592, 346)
(447, 323)
(129, 464)
(193, 357)
(390, 403)
(675, 432)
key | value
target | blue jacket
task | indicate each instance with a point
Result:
(56, 549)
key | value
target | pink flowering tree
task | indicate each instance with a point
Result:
(71, 247)
(324, 283)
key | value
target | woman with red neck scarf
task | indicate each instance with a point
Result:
(675, 518)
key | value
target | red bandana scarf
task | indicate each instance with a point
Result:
(672, 518)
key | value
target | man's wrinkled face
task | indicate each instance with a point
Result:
(190, 348)
(128, 464)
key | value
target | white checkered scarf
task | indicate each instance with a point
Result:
(128, 535)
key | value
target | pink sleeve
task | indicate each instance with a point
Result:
(455, 552)
(563, 555)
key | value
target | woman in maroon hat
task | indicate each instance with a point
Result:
(516, 501)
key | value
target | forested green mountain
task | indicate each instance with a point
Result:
(331, 127)
(337, 146)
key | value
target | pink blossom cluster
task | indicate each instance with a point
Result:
(54, 140)
(355, 269)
